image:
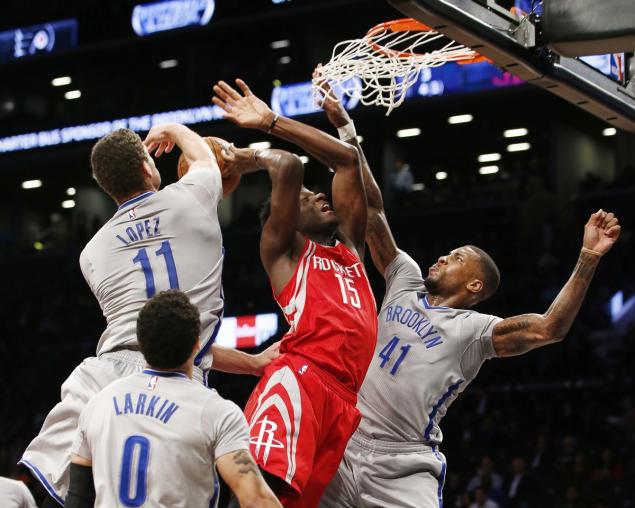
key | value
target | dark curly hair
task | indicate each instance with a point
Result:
(115, 160)
(167, 329)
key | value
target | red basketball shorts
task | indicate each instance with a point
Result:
(300, 420)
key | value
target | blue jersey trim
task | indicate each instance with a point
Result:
(441, 478)
(436, 407)
(427, 305)
(38, 474)
(165, 373)
(135, 199)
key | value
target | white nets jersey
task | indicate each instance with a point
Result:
(158, 241)
(154, 438)
(14, 494)
(425, 357)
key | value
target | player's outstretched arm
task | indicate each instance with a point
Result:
(519, 334)
(238, 362)
(379, 238)
(242, 476)
(349, 198)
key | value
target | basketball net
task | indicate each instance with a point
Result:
(388, 61)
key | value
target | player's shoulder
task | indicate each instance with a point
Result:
(459, 314)
(14, 488)
(403, 258)
(472, 324)
(182, 194)
(200, 173)
(213, 398)
(125, 383)
(217, 407)
(11, 483)
(96, 241)
(104, 233)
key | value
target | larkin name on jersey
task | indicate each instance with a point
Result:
(142, 404)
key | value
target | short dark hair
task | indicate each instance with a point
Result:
(265, 212)
(116, 159)
(489, 272)
(167, 329)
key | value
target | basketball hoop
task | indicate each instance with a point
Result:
(388, 60)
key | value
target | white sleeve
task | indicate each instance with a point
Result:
(226, 425)
(402, 275)
(27, 497)
(204, 180)
(81, 446)
(476, 342)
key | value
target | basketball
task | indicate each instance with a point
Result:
(230, 182)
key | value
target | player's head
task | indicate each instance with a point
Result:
(168, 328)
(467, 271)
(317, 218)
(122, 165)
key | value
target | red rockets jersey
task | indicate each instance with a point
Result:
(331, 311)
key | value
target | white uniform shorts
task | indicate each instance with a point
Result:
(386, 474)
(49, 454)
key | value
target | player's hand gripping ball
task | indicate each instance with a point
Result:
(230, 180)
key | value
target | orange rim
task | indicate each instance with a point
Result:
(408, 25)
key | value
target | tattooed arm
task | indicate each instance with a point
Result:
(383, 247)
(519, 334)
(242, 476)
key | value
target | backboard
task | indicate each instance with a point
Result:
(514, 45)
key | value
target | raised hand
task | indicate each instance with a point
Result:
(160, 138)
(244, 110)
(238, 160)
(328, 101)
(601, 232)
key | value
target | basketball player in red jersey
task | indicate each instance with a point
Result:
(302, 413)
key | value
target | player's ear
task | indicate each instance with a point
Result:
(146, 169)
(475, 286)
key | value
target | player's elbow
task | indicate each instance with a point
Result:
(352, 154)
(290, 167)
(349, 159)
(552, 338)
(259, 498)
(550, 332)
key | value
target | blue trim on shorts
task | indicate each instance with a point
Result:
(164, 373)
(436, 407)
(441, 478)
(134, 200)
(38, 474)
(214, 500)
(201, 354)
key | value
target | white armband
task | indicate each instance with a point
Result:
(347, 132)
